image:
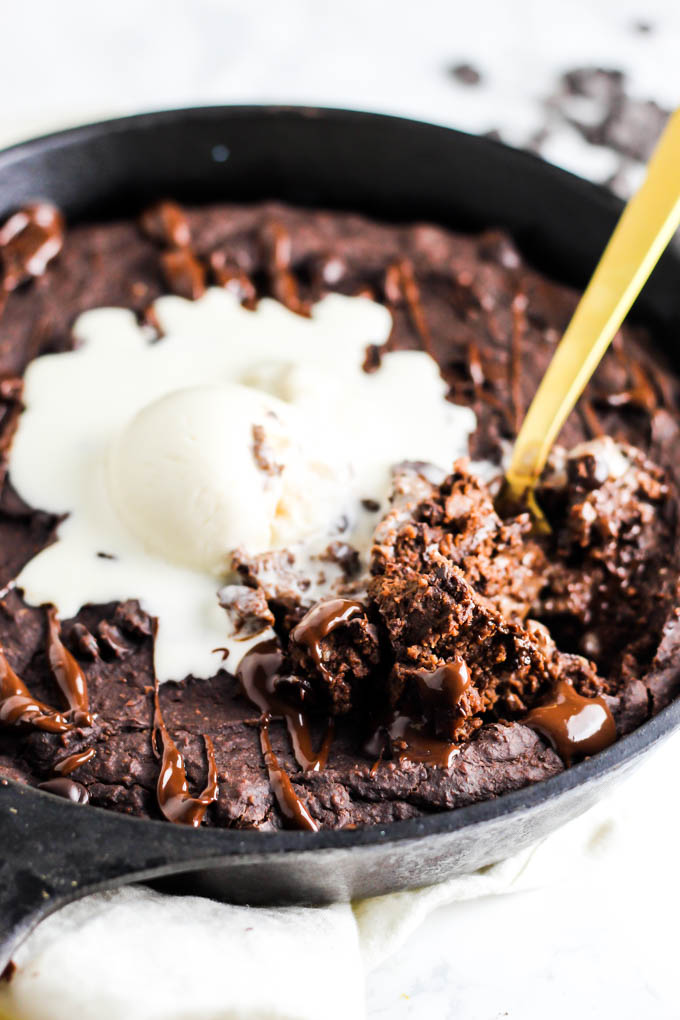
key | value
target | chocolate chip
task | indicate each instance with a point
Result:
(166, 223)
(29, 239)
(371, 505)
(111, 639)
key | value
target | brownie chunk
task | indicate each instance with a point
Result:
(336, 645)
(453, 584)
(609, 588)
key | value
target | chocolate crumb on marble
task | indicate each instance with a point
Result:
(466, 74)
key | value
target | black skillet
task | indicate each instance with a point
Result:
(52, 851)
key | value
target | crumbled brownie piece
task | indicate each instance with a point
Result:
(453, 584)
(263, 454)
(456, 522)
(345, 555)
(84, 642)
(336, 645)
(612, 577)
(247, 610)
(434, 617)
(111, 640)
(131, 618)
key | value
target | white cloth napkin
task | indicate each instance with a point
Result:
(135, 954)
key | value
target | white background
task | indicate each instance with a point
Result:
(597, 943)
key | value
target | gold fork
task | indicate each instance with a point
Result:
(644, 230)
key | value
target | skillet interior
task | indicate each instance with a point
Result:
(389, 168)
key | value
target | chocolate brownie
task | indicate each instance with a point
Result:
(474, 657)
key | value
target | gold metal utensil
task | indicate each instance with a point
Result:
(646, 226)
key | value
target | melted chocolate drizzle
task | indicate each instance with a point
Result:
(184, 274)
(172, 790)
(409, 741)
(401, 288)
(441, 690)
(166, 223)
(289, 803)
(67, 672)
(257, 674)
(19, 707)
(575, 726)
(68, 765)
(276, 247)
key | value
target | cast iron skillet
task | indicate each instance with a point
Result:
(53, 851)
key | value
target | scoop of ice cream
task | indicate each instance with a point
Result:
(209, 468)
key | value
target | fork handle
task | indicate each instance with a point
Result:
(644, 230)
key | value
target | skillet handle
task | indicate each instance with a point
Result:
(51, 854)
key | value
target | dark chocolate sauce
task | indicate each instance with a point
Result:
(409, 741)
(400, 287)
(575, 726)
(68, 765)
(442, 689)
(172, 790)
(319, 621)
(257, 674)
(29, 240)
(67, 672)
(277, 255)
(289, 803)
(66, 788)
(18, 706)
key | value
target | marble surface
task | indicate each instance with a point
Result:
(599, 941)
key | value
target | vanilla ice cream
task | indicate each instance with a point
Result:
(209, 468)
(238, 428)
